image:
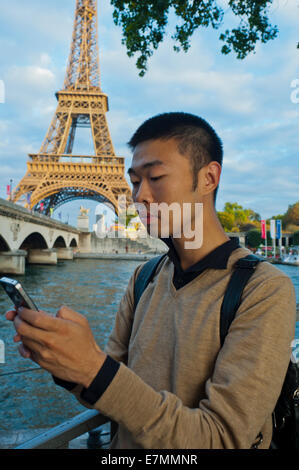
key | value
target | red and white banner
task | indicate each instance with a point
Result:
(8, 189)
(263, 224)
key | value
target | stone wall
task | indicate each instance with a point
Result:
(126, 245)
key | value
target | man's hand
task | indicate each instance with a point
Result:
(63, 345)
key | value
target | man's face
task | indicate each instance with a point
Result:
(160, 174)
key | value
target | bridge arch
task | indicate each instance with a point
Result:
(73, 243)
(34, 241)
(60, 242)
(57, 194)
(4, 246)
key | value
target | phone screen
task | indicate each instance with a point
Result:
(15, 296)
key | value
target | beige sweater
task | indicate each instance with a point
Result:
(175, 388)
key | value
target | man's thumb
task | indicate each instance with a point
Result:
(67, 313)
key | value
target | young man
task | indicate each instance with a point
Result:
(164, 377)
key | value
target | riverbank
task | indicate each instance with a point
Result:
(276, 261)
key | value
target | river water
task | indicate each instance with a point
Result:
(91, 287)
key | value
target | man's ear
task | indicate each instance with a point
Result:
(209, 177)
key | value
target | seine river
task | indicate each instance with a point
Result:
(91, 287)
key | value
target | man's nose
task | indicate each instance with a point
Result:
(143, 194)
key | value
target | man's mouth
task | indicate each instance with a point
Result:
(148, 218)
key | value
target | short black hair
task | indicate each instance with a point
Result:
(196, 138)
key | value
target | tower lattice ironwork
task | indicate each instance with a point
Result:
(54, 175)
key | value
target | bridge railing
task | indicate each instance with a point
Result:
(59, 436)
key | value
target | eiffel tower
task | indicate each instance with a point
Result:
(54, 175)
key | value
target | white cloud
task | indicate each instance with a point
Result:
(32, 76)
(28, 92)
(45, 59)
(285, 11)
(41, 18)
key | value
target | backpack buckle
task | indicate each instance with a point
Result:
(258, 440)
(276, 425)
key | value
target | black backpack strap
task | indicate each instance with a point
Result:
(232, 298)
(296, 411)
(145, 276)
(244, 268)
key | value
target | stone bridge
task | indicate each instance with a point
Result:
(30, 237)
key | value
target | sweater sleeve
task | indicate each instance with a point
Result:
(240, 394)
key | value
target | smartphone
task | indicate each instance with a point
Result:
(17, 293)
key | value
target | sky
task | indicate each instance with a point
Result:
(253, 104)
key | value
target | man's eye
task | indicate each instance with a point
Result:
(156, 178)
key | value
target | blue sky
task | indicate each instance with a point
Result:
(247, 102)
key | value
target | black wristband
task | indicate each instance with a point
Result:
(101, 381)
(64, 383)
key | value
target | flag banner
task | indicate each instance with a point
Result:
(8, 189)
(278, 229)
(28, 197)
(273, 228)
(263, 224)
